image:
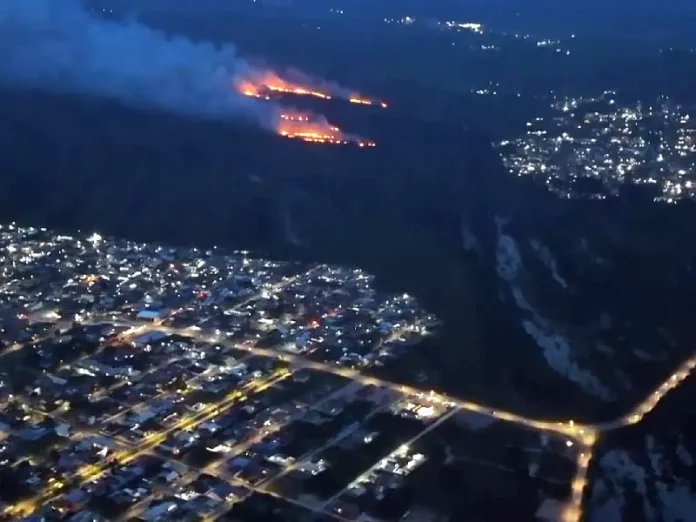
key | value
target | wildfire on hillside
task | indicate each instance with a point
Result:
(250, 89)
(263, 85)
(366, 101)
(316, 130)
(295, 125)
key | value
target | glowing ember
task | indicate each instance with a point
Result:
(300, 91)
(251, 90)
(297, 117)
(269, 82)
(295, 125)
(314, 130)
(366, 101)
(260, 85)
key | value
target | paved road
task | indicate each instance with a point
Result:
(127, 455)
(568, 429)
(584, 435)
(327, 504)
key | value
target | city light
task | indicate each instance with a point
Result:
(185, 331)
(610, 146)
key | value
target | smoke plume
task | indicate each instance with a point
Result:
(57, 46)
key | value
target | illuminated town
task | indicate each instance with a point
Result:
(591, 147)
(142, 382)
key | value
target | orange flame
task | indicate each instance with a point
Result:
(271, 82)
(297, 125)
(248, 88)
(303, 127)
(260, 85)
(354, 98)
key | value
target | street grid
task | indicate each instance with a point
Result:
(282, 367)
(584, 435)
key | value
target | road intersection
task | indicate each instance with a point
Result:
(583, 436)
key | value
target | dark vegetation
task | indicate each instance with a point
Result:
(396, 211)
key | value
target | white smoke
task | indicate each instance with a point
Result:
(57, 46)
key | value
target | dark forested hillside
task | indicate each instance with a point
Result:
(425, 211)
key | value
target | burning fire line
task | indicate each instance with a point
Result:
(300, 91)
(269, 83)
(365, 101)
(300, 126)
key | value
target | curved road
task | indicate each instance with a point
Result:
(583, 436)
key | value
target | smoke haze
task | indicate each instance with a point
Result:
(57, 46)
